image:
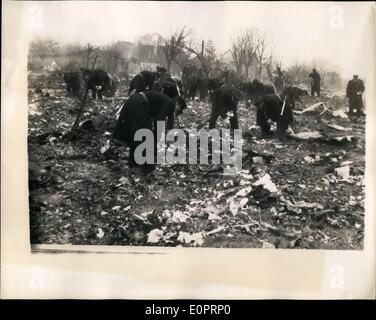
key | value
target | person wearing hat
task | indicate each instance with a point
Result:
(354, 91)
(315, 82)
(142, 81)
(279, 79)
(162, 72)
(226, 76)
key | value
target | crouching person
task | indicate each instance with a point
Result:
(225, 99)
(142, 81)
(97, 78)
(293, 94)
(272, 108)
(142, 111)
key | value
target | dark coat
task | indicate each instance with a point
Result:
(213, 83)
(140, 113)
(315, 76)
(225, 98)
(97, 78)
(293, 94)
(142, 81)
(315, 83)
(354, 91)
(226, 76)
(270, 107)
(255, 90)
(169, 87)
(187, 71)
(73, 82)
(137, 113)
(194, 85)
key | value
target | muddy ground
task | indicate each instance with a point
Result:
(83, 193)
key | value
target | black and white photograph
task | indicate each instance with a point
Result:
(197, 124)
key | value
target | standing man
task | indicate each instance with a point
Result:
(315, 82)
(226, 76)
(279, 79)
(354, 90)
(187, 72)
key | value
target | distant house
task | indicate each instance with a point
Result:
(125, 48)
(146, 53)
(150, 48)
(152, 39)
(51, 66)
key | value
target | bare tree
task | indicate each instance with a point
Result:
(271, 65)
(112, 59)
(249, 49)
(201, 54)
(243, 50)
(72, 52)
(297, 73)
(91, 54)
(261, 52)
(237, 53)
(173, 46)
(210, 55)
(269, 68)
(44, 48)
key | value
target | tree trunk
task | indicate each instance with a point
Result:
(205, 69)
(238, 69)
(270, 75)
(259, 73)
(246, 72)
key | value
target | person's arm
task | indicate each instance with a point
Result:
(166, 111)
(170, 121)
(348, 89)
(362, 88)
(297, 96)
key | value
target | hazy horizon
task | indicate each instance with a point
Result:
(299, 31)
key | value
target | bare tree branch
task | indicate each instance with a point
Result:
(205, 54)
(243, 50)
(261, 52)
(173, 46)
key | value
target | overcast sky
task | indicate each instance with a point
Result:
(299, 31)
